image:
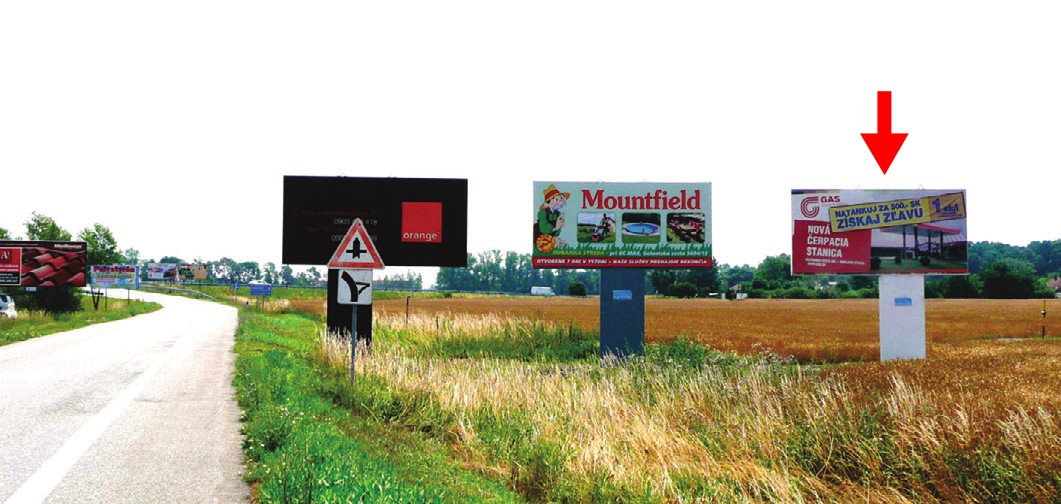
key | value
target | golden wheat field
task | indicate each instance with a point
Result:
(809, 330)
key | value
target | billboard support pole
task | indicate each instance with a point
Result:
(902, 317)
(353, 345)
(622, 313)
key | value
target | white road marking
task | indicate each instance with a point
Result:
(53, 470)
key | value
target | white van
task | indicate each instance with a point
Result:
(7, 307)
(542, 291)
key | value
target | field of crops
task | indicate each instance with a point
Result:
(810, 331)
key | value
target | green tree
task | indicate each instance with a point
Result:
(730, 276)
(576, 288)
(269, 273)
(662, 280)
(705, 279)
(773, 273)
(4, 235)
(287, 275)
(224, 269)
(683, 289)
(1009, 279)
(963, 287)
(102, 246)
(310, 277)
(51, 300)
(42, 227)
(131, 256)
(247, 271)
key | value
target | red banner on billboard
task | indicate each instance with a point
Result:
(816, 249)
(621, 262)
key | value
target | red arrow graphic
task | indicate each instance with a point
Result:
(884, 144)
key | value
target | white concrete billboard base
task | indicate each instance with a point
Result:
(902, 317)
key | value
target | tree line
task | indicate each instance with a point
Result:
(996, 270)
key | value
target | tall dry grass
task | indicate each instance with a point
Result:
(744, 430)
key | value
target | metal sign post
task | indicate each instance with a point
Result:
(261, 291)
(353, 346)
(355, 288)
(1044, 319)
(350, 287)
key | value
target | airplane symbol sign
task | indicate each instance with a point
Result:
(356, 250)
(355, 287)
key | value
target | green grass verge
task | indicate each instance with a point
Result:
(311, 436)
(33, 324)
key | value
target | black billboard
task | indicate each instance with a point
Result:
(412, 221)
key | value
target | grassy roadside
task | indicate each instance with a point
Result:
(309, 436)
(33, 324)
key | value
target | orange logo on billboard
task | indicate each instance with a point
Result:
(356, 250)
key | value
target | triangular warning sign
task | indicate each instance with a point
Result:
(356, 250)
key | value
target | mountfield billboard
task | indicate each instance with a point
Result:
(118, 276)
(622, 225)
(860, 232)
(411, 221)
(42, 263)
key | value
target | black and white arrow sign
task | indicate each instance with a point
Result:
(355, 287)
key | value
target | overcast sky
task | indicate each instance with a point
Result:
(173, 123)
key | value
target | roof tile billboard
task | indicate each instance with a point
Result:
(42, 263)
(869, 232)
(622, 225)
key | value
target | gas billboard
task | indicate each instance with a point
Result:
(869, 232)
(622, 225)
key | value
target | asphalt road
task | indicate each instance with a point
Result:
(138, 410)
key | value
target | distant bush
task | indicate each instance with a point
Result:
(874, 263)
(683, 289)
(800, 293)
(576, 288)
(963, 286)
(925, 261)
(50, 299)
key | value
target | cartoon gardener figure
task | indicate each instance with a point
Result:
(550, 220)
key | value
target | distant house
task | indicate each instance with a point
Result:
(1055, 284)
